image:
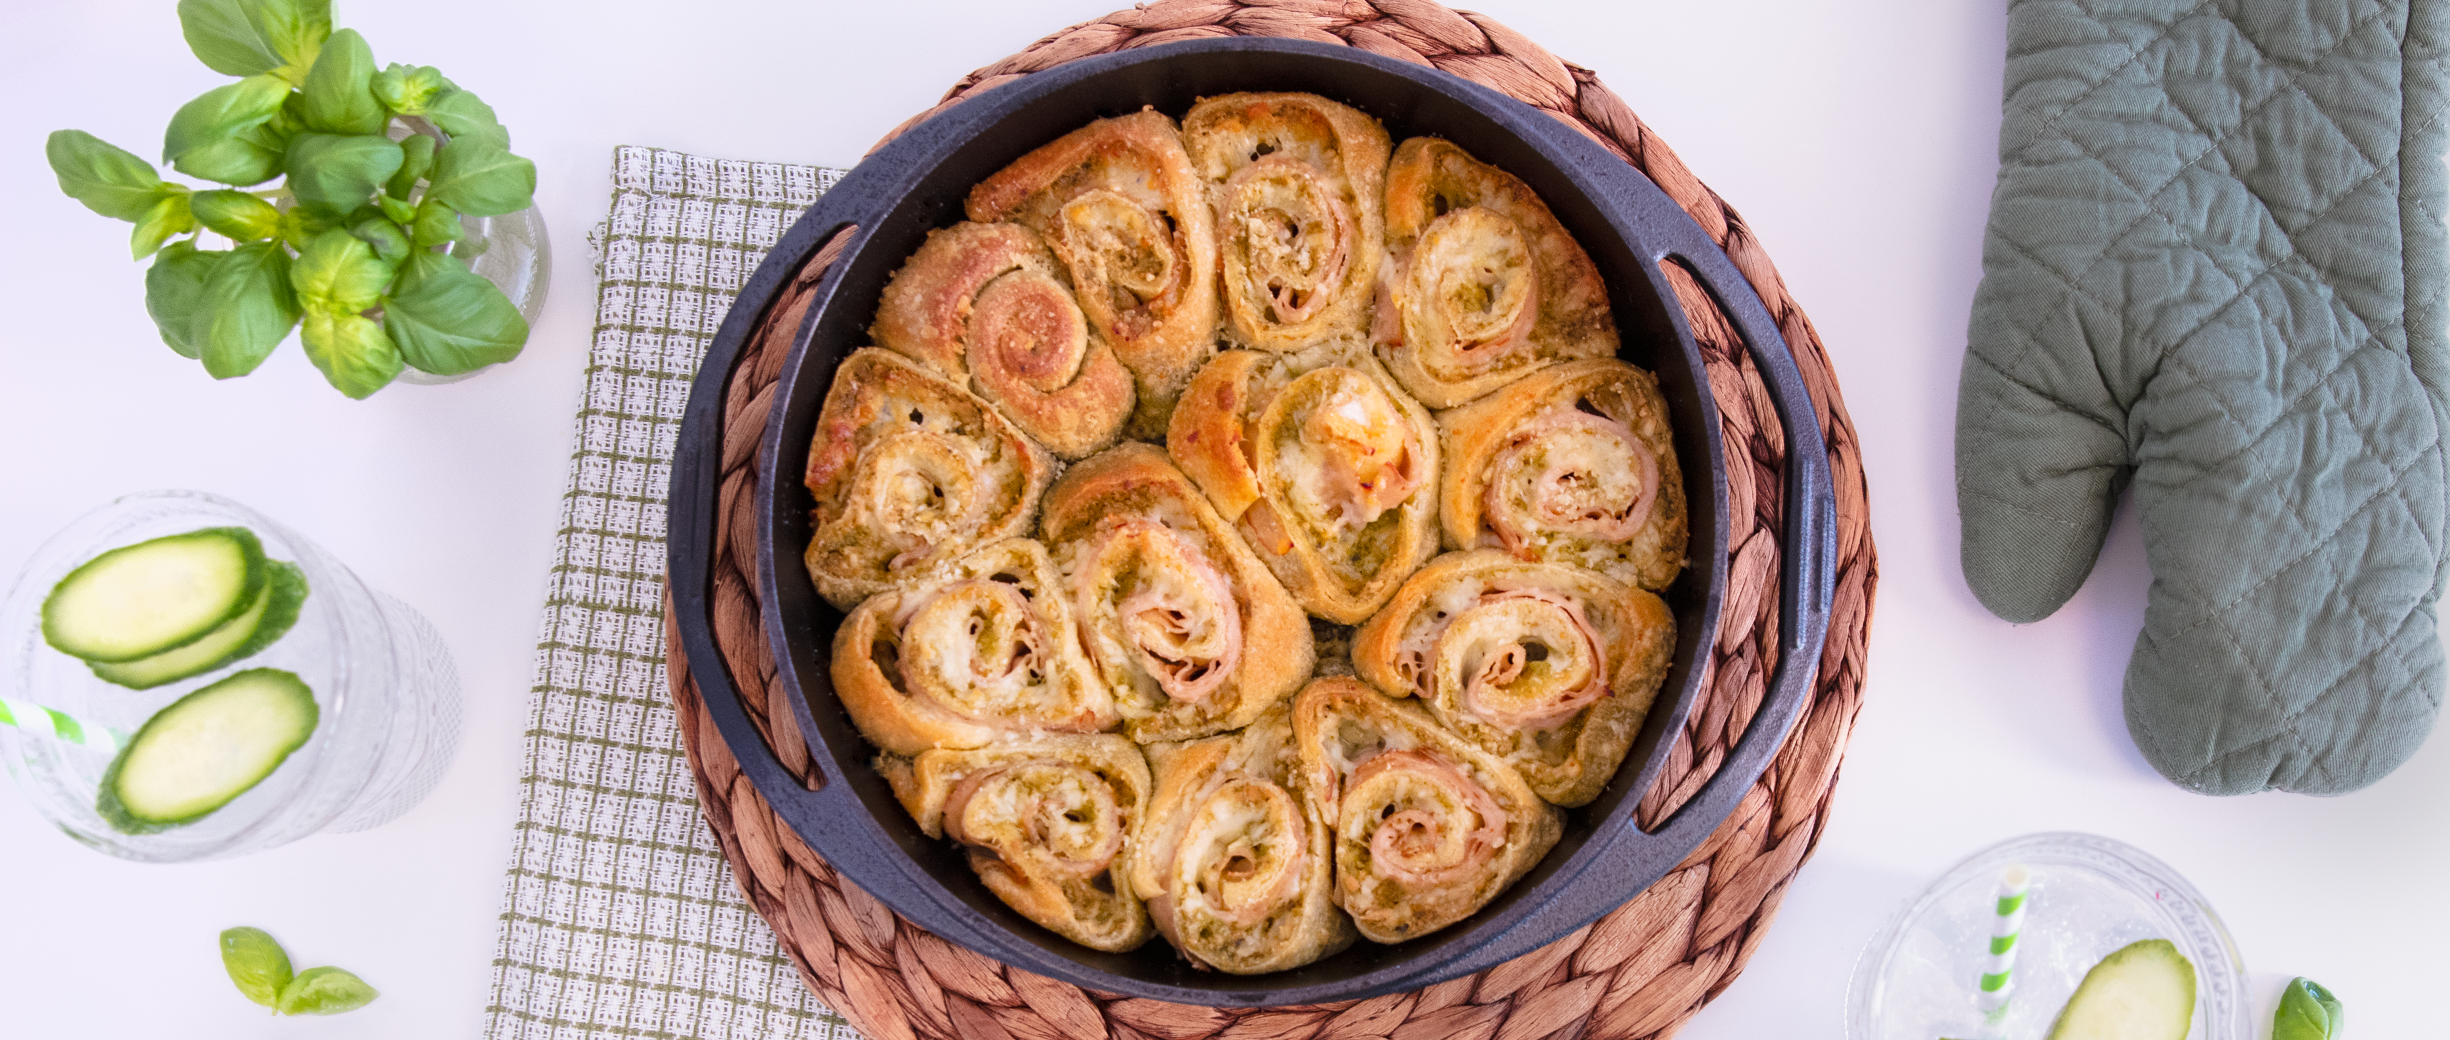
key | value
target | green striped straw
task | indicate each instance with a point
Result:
(58, 725)
(2007, 922)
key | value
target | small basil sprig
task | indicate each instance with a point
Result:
(347, 248)
(260, 969)
(2308, 1012)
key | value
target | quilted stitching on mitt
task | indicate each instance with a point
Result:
(2214, 272)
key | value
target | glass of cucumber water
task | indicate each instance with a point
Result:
(2088, 904)
(308, 702)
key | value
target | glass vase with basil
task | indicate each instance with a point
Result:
(339, 187)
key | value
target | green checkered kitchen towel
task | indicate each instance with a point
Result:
(620, 917)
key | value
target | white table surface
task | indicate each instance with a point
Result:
(1858, 139)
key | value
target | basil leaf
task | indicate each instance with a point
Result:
(236, 214)
(416, 160)
(400, 212)
(236, 161)
(330, 991)
(256, 963)
(448, 320)
(478, 178)
(337, 174)
(167, 217)
(249, 309)
(408, 90)
(219, 33)
(292, 118)
(390, 244)
(464, 116)
(436, 224)
(357, 358)
(2307, 1012)
(268, 139)
(222, 112)
(338, 94)
(300, 225)
(108, 179)
(174, 292)
(339, 271)
(293, 29)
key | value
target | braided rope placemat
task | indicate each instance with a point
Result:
(1642, 970)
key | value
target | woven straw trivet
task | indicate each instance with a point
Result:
(1639, 972)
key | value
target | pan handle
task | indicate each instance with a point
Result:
(1630, 861)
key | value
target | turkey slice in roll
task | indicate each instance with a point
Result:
(1190, 632)
(1120, 205)
(1574, 465)
(1297, 181)
(1482, 285)
(1550, 668)
(909, 471)
(1428, 828)
(1323, 464)
(1045, 824)
(980, 650)
(1233, 855)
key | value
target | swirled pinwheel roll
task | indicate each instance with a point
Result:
(1549, 668)
(1185, 626)
(1428, 828)
(1483, 285)
(1574, 465)
(985, 306)
(1120, 205)
(1233, 856)
(909, 471)
(1297, 181)
(1329, 472)
(1045, 824)
(980, 650)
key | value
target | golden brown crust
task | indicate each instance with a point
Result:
(1118, 202)
(981, 650)
(1604, 649)
(1234, 856)
(1188, 629)
(987, 306)
(1209, 434)
(1297, 182)
(896, 495)
(1482, 284)
(1323, 465)
(1411, 807)
(1564, 450)
(1002, 802)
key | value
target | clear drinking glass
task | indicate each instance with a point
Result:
(2089, 896)
(384, 685)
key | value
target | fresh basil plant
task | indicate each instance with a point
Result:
(350, 246)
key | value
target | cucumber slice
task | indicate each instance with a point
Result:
(140, 600)
(2145, 991)
(205, 749)
(276, 609)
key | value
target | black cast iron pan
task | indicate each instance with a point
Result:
(918, 182)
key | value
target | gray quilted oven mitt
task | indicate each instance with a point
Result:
(2214, 269)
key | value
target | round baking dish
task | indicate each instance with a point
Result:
(917, 183)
